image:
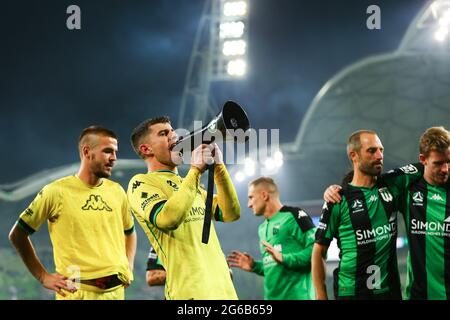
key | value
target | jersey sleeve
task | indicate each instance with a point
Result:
(44, 206)
(216, 211)
(145, 199)
(225, 207)
(165, 213)
(400, 178)
(258, 268)
(303, 231)
(127, 217)
(153, 262)
(328, 224)
(227, 203)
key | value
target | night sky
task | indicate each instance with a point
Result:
(129, 62)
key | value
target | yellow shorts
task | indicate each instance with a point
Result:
(81, 294)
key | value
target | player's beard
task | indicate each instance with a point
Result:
(371, 168)
(98, 169)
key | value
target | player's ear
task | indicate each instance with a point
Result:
(85, 151)
(422, 159)
(146, 150)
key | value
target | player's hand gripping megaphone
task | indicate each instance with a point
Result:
(231, 123)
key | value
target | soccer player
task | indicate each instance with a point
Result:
(171, 211)
(425, 206)
(155, 274)
(287, 239)
(90, 226)
(365, 224)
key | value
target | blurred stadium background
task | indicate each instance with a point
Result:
(398, 94)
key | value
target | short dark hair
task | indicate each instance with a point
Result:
(354, 141)
(434, 139)
(94, 130)
(142, 130)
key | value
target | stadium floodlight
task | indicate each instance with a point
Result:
(235, 8)
(239, 176)
(236, 67)
(269, 164)
(233, 29)
(234, 48)
(444, 21)
(278, 159)
(441, 34)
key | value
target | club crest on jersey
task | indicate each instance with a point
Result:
(357, 206)
(276, 229)
(385, 194)
(409, 169)
(417, 198)
(95, 202)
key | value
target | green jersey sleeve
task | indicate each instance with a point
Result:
(303, 231)
(328, 224)
(400, 178)
(258, 267)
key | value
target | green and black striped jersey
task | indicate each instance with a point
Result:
(426, 210)
(365, 226)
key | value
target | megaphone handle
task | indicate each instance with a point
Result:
(209, 200)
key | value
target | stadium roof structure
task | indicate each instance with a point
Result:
(398, 95)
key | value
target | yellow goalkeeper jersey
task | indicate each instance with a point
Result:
(194, 270)
(86, 226)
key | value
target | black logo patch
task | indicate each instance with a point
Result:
(172, 184)
(95, 202)
(136, 184)
(276, 229)
(29, 212)
(144, 195)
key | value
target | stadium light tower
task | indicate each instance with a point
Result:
(429, 32)
(219, 54)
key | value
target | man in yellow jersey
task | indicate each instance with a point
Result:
(171, 211)
(90, 226)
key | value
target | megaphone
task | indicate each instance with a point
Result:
(231, 123)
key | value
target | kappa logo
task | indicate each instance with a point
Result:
(385, 194)
(301, 214)
(437, 197)
(29, 212)
(136, 185)
(418, 198)
(95, 202)
(373, 198)
(172, 184)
